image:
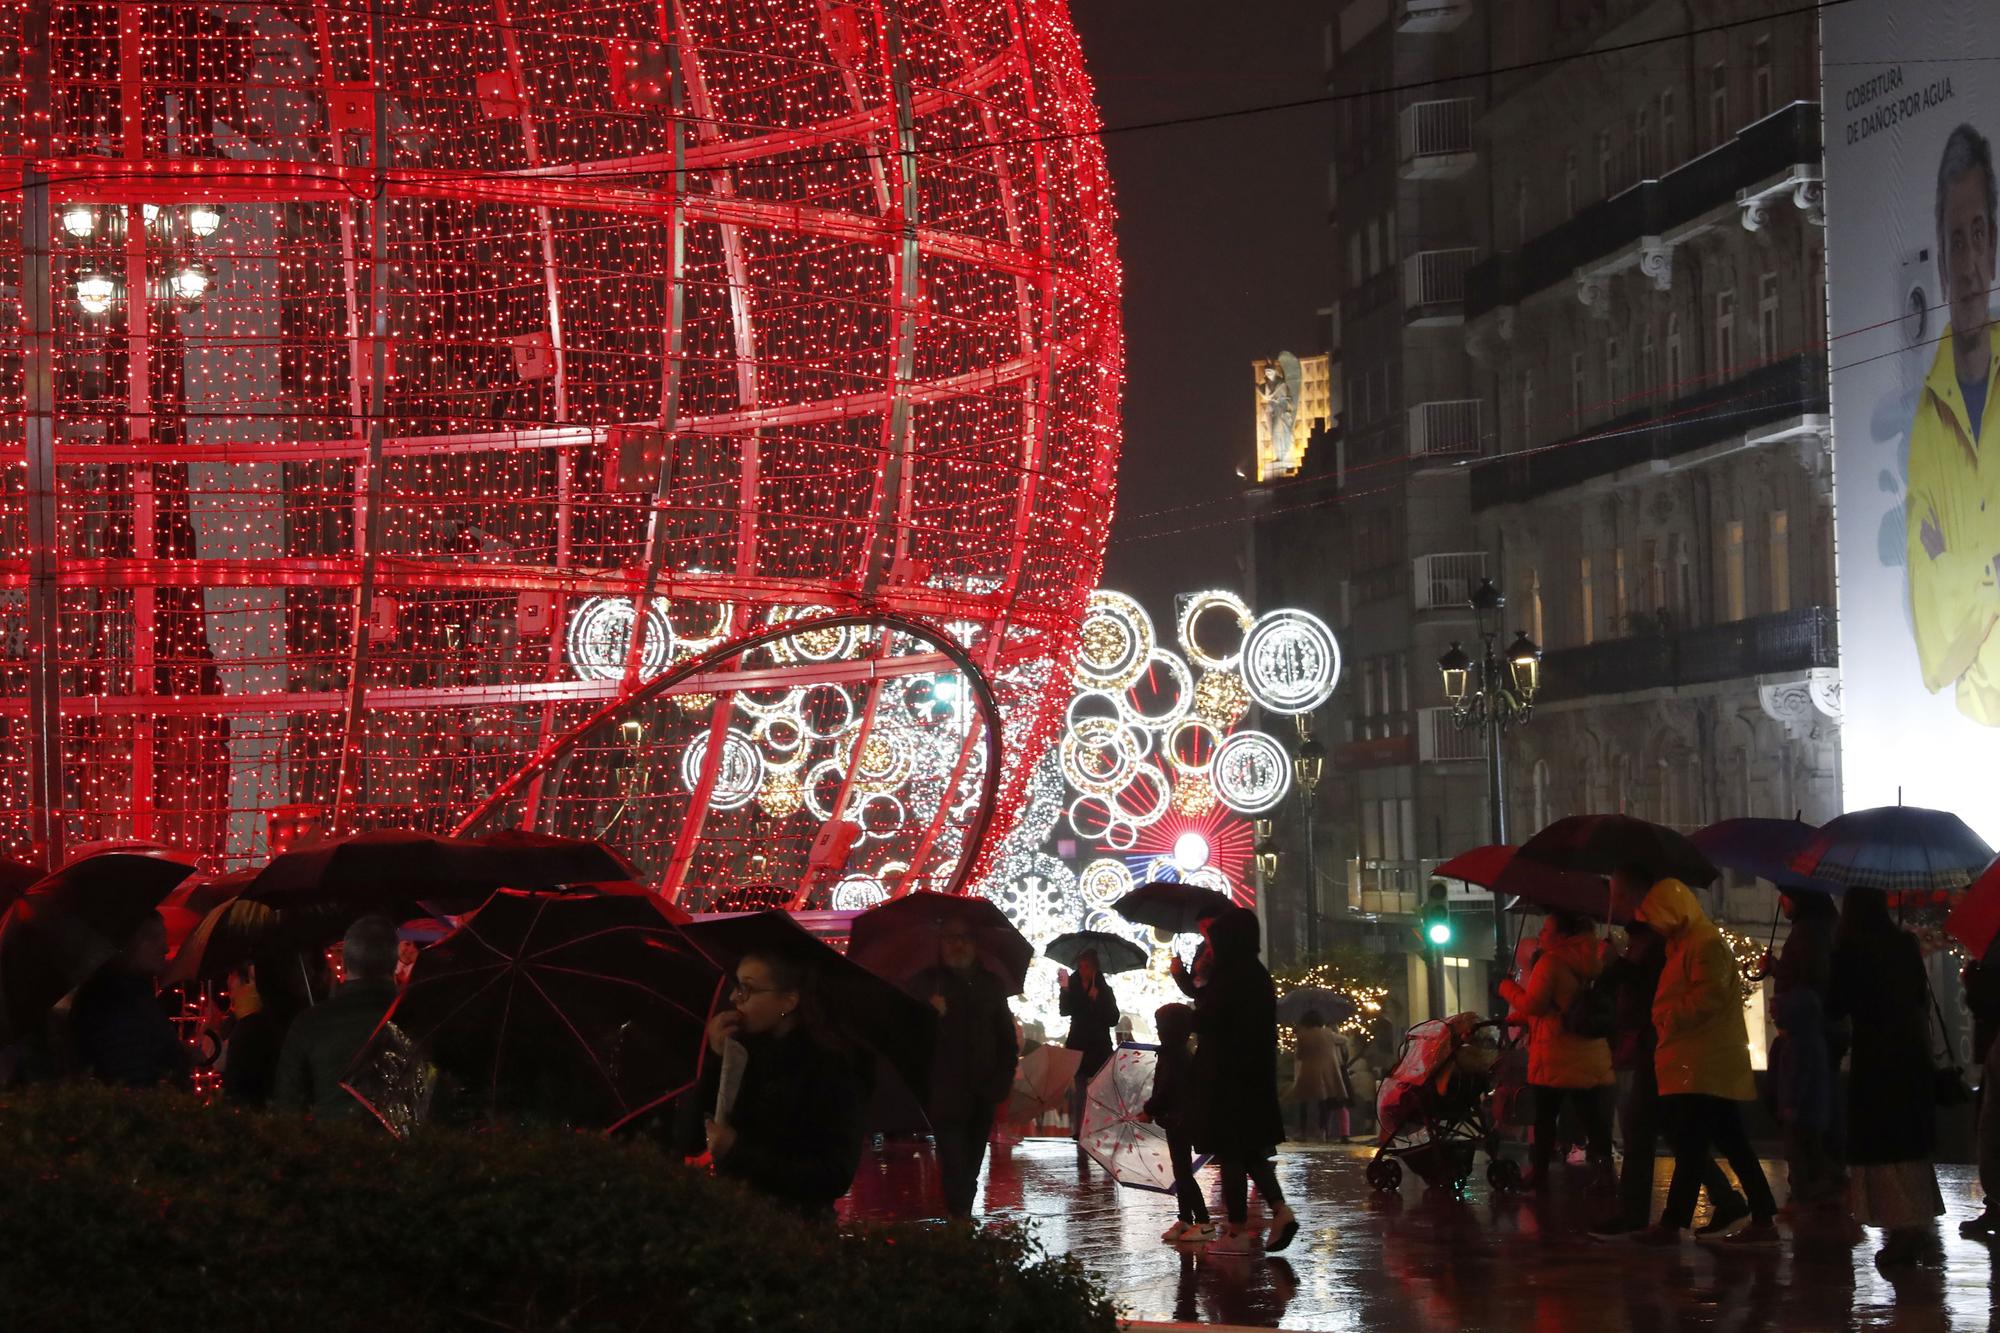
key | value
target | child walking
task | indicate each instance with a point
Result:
(1168, 1107)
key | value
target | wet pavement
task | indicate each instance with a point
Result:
(1424, 1260)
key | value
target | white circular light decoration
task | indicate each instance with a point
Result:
(1251, 772)
(858, 893)
(1290, 662)
(1100, 757)
(1191, 852)
(1126, 805)
(600, 634)
(1115, 642)
(1192, 728)
(1176, 686)
(1199, 605)
(1104, 881)
(737, 777)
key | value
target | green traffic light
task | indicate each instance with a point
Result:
(1439, 933)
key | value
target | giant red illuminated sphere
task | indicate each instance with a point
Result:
(392, 360)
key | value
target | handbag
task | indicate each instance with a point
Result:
(1948, 1085)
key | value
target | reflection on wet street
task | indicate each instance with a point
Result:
(1429, 1261)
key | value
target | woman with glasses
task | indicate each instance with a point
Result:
(795, 1127)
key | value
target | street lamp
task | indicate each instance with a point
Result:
(1489, 697)
(1308, 767)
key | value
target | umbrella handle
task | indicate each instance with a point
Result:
(306, 975)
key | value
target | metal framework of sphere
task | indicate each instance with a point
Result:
(365, 369)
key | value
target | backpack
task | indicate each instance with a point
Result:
(1592, 1011)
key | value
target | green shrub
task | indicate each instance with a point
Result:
(122, 1210)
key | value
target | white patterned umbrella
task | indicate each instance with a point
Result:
(1115, 1132)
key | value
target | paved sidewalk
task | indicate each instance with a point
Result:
(1411, 1261)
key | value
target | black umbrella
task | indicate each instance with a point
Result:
(1895, 848)
(1114, 953)
(1169, 906)
(859, 1005)
(1602, 844)
(902, 937)
(1332, 1007)
(382, 866)
(583, 1009)
(242, 931)
(71, 922)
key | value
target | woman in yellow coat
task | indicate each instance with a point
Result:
(1702, 1059)
(1564, 1067)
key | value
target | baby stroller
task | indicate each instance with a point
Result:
(1435, 1107)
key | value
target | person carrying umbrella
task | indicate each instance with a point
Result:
(1806, 1058)
(118, 1030)
(793, 1128)
(323, 1041)
(1702, 1056)
(974, 1066)
(1564, 1066)
(1092, 1009)
(1238, 1118)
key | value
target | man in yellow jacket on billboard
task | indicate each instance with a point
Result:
(1953, 511)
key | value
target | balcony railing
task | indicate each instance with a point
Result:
(1434, 285)
(1439, 742)
(1444, 582)
(1666, 658)
(1431, 15)
(1445, 429)
(1793, 387)
(1651, 208)
(1437, 139)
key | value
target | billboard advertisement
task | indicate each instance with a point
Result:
(1910, 199)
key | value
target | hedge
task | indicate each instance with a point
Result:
(144, 1210)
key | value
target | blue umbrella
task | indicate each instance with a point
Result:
(1895, 848)
(1763, 848)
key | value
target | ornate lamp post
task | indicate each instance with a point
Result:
(1491, 694)
(1308, 767)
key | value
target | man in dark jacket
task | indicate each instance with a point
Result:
(324, 1040)
(974, 1065)
(1804, 1081)
(120, 1033)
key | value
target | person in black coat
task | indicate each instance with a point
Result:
(1878, 982)
(795, 1129)
(1092, 1009)
(1237, 1116)
(974, 1065)
(1982, 998)
(121, 1034)
(1169, 1107)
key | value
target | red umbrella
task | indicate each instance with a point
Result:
(904, 936)
(1600, 844)
(1497, 867)
(1975, 921)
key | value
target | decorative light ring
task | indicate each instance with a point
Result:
(1104, 881)
(1098, 737)
(1114, 710)
(1208, 877)
(858, 893)
(1291, 662)
(737, 777)
(711, 635)
(1121, 835)
(1147, 774)
(1251, 772)
(1171, 747)
(880, 830)
(1084, 820)
(1221, 699)
(784, 733)
(788, 706)
(805, 710)
(782, 794)
(1199, 605)
(600, 636)
(1183, 693)
(882, 764)
(1111, 923)
(1115, 641)
(826, 772)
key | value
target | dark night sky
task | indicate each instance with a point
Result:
(1222, 228)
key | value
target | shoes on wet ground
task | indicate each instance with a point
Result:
(1661, 1234)
(1617, 1228)
(1233, 1240)
(1983, 1227)
(1284, 1227)
(1760, 1234)
(1724, 1216)
(1176, 1233)
(1198, 1233)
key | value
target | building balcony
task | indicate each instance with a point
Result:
(1447, 429)
(1439, 741)
(1437, 140)
(1656, 432)
(1444, 582)
(1789, 641)
(1431, 15)
(1380, 752)
(1653, 213)
(1434, 286)
(1381, 887)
